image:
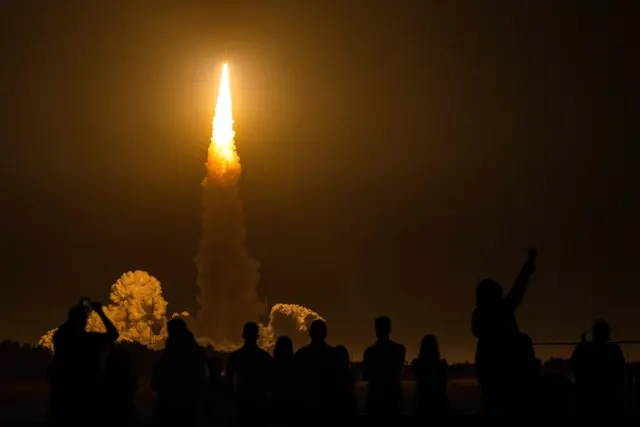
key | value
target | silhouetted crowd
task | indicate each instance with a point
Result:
(91, 379)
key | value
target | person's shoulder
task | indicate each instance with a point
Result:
(615, 349)
(302, 351)
(59, 333)
(264, 354)
(397, 346)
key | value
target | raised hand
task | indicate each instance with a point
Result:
(96, 306)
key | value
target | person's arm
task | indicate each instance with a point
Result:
(366, 366)
(57, 341)
(515, 296)
(134, 384)
(112, 333)
(444, 369)
(402, 354)
(269, 374)
(620, 365)
(157, 376)
(476, 323)
(230, 372)
(577, 356)
(415, 368)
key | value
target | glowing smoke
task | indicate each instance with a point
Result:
(288, 319)
(227, 275)
(137, 309)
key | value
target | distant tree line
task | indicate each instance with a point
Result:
(20, 361)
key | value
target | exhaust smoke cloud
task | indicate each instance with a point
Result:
(137, 309)
(292, 320)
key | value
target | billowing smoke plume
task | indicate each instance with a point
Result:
(137, 309)
(288, 319)
(227, 275)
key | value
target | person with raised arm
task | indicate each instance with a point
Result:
(502, 352)
(77, 365)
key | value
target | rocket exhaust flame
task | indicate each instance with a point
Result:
(223, 163)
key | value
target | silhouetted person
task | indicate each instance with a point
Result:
(215, 368)
(382, 365)
(220, 392)
(76, 372)
(179, 378)
(430, 373)
(556, 396)
(599, 369)
(249, 369)
(347, 406)
(119, 390)
(502, 355)
(284, 380)
(317, 377)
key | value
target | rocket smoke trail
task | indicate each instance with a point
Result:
(227, 275)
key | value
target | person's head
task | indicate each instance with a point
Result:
(77, 317)
(177, 328)
(488, 294)
(284, 349)
(250, 332)
(601, 331)
(383, 327)
(318, 331)
(429, 348)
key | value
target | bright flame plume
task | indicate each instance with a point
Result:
(223, 162)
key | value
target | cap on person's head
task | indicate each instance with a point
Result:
(383, 324)
(318, 330)
(250, 331)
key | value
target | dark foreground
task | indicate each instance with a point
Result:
(26, 402)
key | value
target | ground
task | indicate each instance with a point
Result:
(27, 401)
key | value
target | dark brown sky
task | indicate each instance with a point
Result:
(394, 153)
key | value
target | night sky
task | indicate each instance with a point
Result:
(394, 154)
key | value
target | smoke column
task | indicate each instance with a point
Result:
(227, 275)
